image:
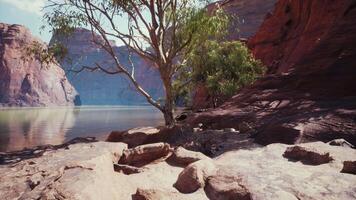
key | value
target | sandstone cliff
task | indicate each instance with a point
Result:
(247, 15)
(97, 88)
(309, 48)
(300, 29)
(25, 81)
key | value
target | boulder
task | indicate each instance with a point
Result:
(223, 186)
(194, 176)
(349, 167)
(341, 142)
(307, 156)
(133, 137)
(144, 154)
(183, 157)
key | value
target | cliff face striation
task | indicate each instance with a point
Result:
(300, 29)
(309, 94)
(247, 15)
(24, 80)
(98, 88)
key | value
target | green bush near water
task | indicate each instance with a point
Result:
(222, 67)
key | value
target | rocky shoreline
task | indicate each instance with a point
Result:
(289, 136)
(90, 169)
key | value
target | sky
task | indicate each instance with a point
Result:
(24, 12)
(29, 13)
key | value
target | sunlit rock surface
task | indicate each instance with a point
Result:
(86, 171)
(24, 80)
(268, 175)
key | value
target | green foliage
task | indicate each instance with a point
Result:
(223, 67)
(64, 22)
(197, 26)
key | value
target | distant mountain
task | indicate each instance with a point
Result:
(98, 88)
(24, 81)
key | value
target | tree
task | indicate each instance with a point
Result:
(164, 32)
(222, 67)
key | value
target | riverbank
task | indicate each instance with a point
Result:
(106, 170)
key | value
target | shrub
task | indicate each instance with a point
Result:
(222, 67)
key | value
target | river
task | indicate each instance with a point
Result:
(28, 127)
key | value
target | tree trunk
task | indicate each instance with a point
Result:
(168, 110)
(168, 117)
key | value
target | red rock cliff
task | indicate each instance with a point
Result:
(309, 48)
(24, 81)
(298, 28)
(247, 15)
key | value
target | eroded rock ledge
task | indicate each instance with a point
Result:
(90, 171)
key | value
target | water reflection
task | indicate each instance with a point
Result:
(28, 127)
(31, 127)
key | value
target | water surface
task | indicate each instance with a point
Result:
(29, 127)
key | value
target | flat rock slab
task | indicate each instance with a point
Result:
(80, 171)
(268, 175)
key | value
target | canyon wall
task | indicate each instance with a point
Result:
(314, 42)
(297, 29)
(98, 88)
(25, 81)
(247, 16)
(309, 94)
